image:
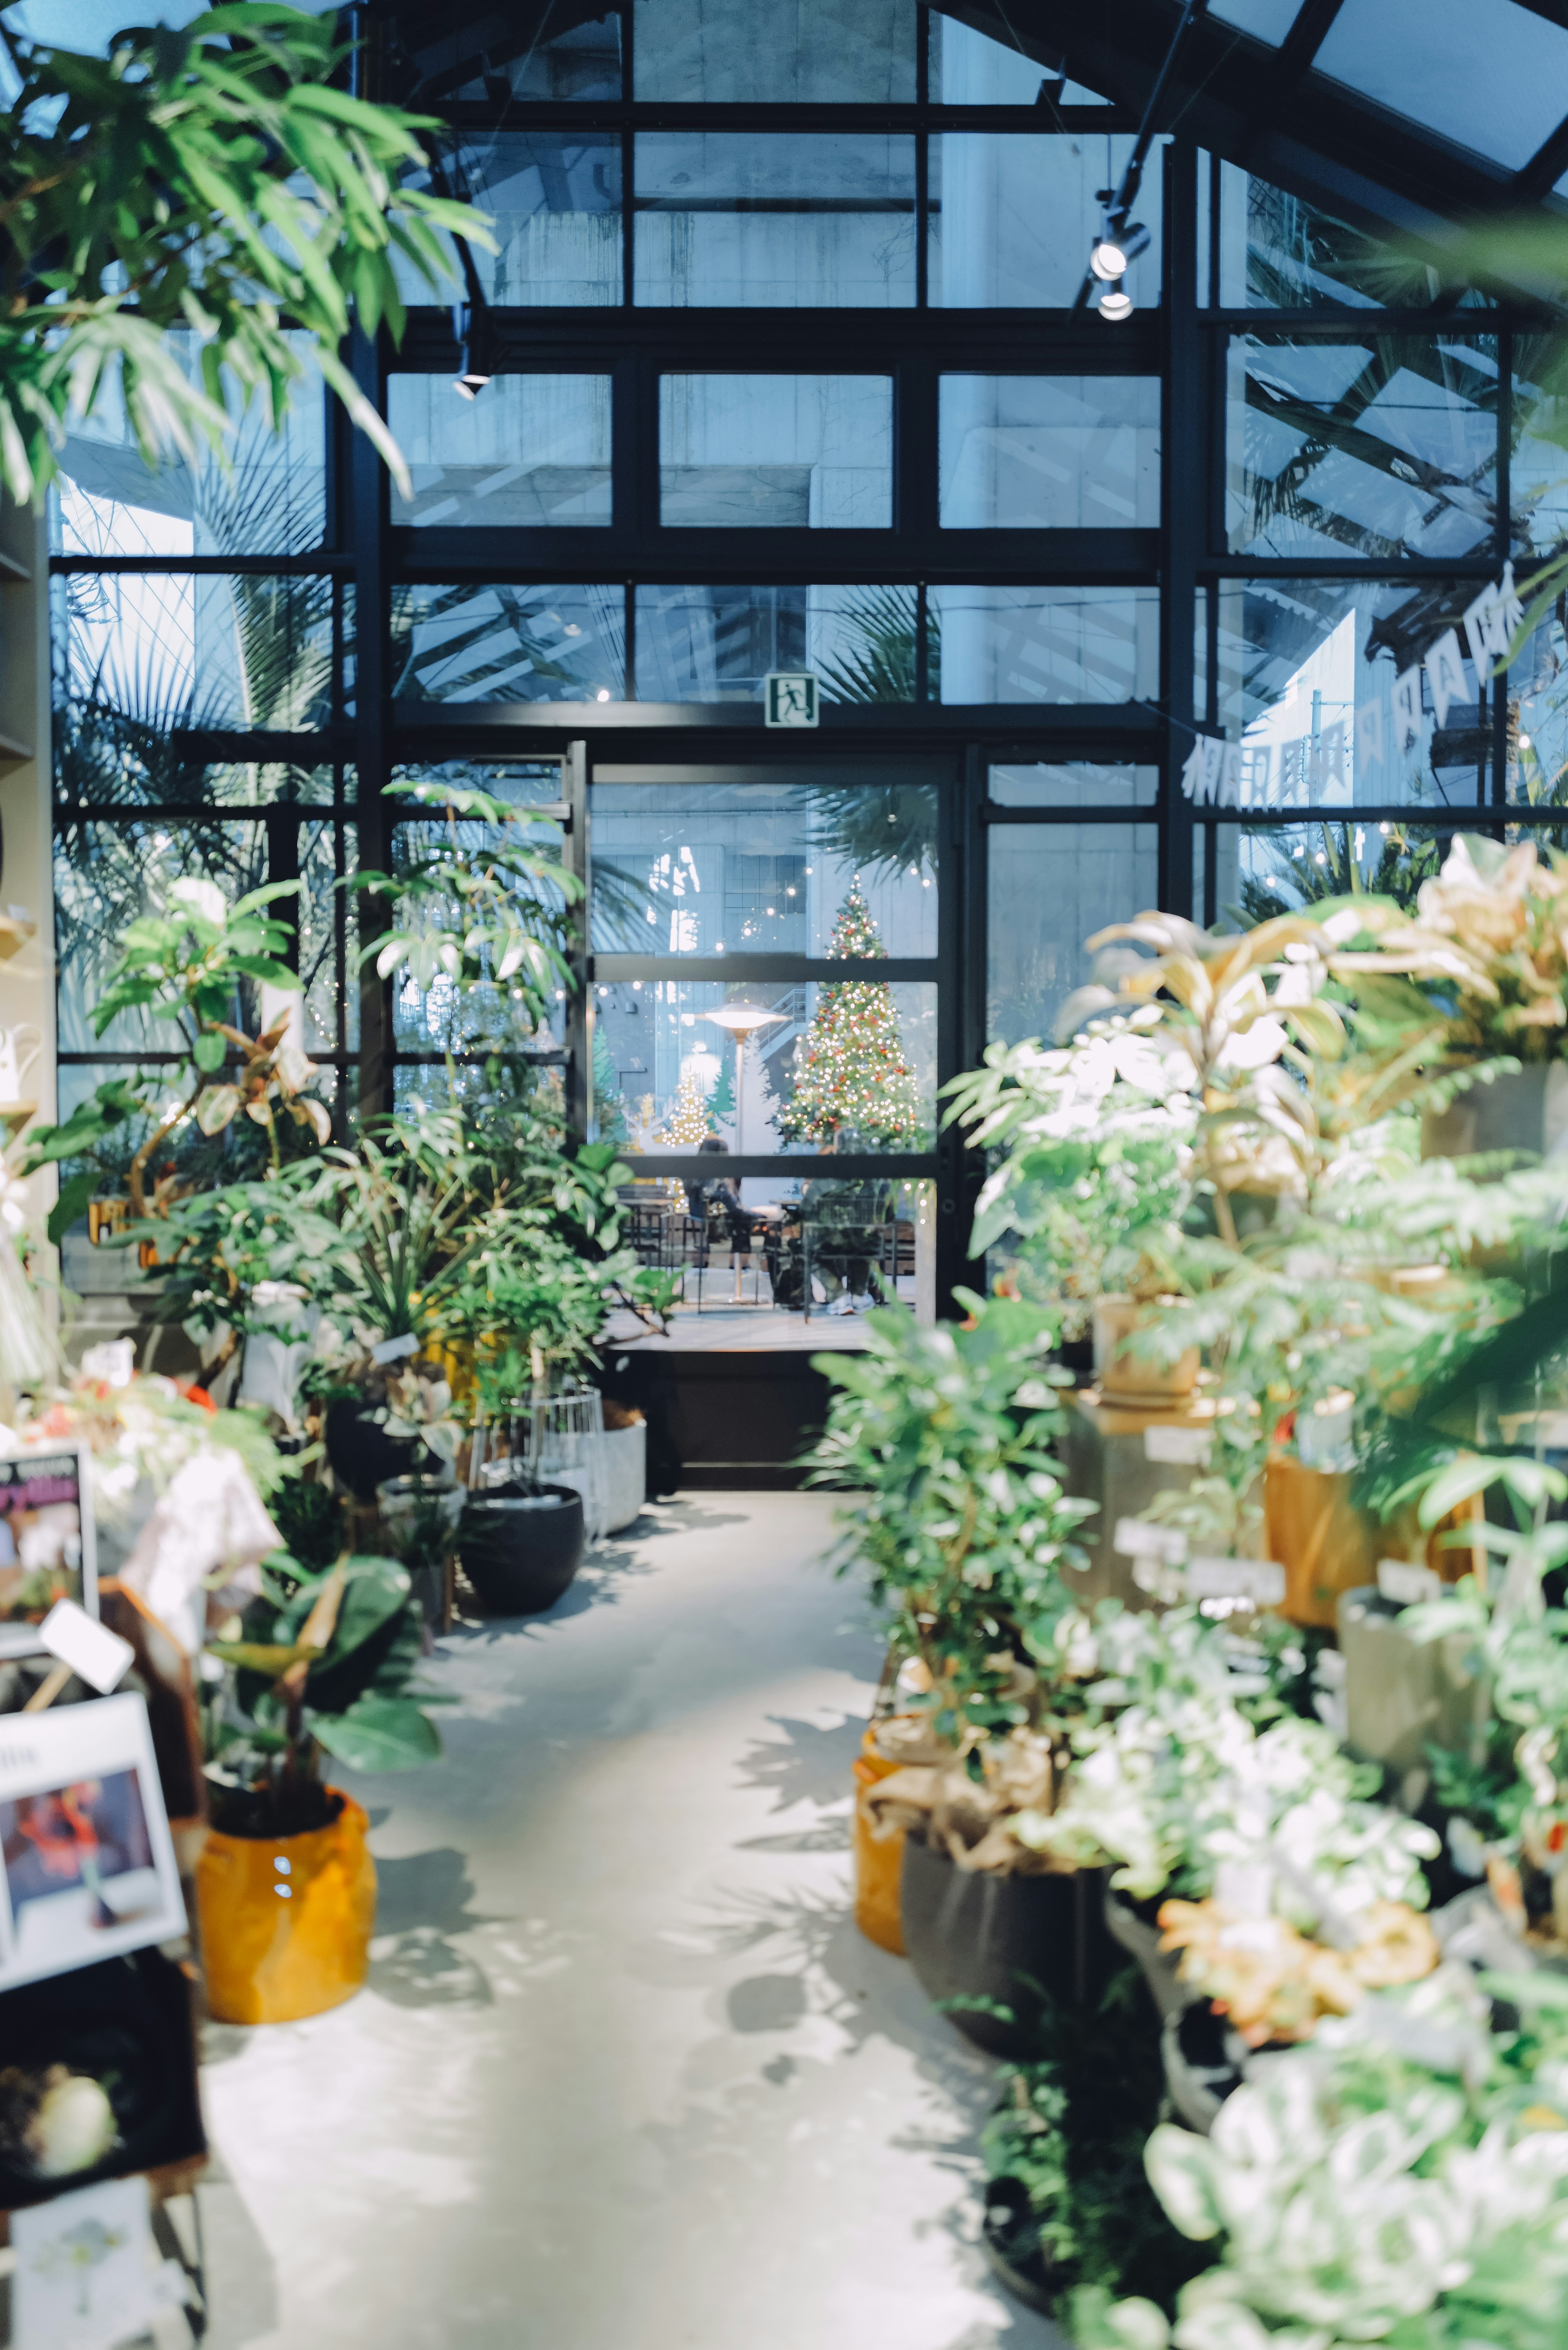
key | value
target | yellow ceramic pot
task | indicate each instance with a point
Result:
(879, 1861)
(286, 1920)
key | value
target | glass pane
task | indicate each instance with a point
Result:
(508, 644)
(1080, 782)
(730, 52)
(1266, 20)
(532, 450)
(109, 875)
(1278, 252)
(1380, 447)
(270, 499)
(104, 758)
(527, 52)
(795, 451)
(736, 220)
(719, 644)
(1307, 676)
(1066, 453)
(1537, 716)
(1490, 78)
(442, 1018)
(760, 868)
(680, 1073)
(1537, 465)
(1013, 216)
(327, 924)
(1266, 870)
(1050, 887)
(524, 782)
(968, 70)
(140, 656)
(554, 201)
(1044, 644)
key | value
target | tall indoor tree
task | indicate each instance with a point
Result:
(214, 179)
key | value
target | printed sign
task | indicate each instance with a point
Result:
(1404, 1584)
(87, 1862)
(791, 698)
(46, 1550)
(1177, 1448)
(1261, 1580)
(87, 2274)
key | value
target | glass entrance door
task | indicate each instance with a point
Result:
(764, 1028)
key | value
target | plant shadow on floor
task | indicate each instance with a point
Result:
(604, 1574)
(810, 1762)
(422, 1901)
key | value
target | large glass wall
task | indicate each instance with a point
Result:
(792, 374)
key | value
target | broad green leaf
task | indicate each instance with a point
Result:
(379, 1734)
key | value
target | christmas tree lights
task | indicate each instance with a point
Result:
(853, 1077)
(686, 1122)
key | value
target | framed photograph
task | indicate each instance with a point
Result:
(87, 1861)
(48, 1550)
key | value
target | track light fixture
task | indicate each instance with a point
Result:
(1117, 246)
(1114, 303)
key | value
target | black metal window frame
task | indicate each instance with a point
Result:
(1179, 342)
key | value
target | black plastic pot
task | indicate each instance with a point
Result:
(1010, 2235)
(520, 1551)
(362, 1454)
(1021, 1942)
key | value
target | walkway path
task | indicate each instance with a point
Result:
(627, 2077)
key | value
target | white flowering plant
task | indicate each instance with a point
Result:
(1402, 2179)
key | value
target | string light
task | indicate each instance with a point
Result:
(852, 1072)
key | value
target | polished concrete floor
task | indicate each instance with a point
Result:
(626, 2076)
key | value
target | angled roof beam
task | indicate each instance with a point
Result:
(1306, 35)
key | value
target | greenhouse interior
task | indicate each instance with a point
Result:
(784, 1085)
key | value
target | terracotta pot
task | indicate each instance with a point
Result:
(286, 1920)
(1134, 1378)
(879, 1861)
(1323, 1543)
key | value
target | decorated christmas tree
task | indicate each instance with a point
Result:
(686, 1122)
(853, 1077)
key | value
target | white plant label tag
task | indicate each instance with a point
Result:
(1136, 1539)
(1177, 1448)
(93, 1653)
(1406, 1585)
(87, 2273)
(392, 1350)
(1261, 1580)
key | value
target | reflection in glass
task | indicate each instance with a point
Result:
(774, 221)
(485, 1014)
(708, 869)
(1271, 870)
(1081, 783)
(1064, 453)
(106, 758)
(508, 644)
(967, 68)
(270, 499)
(531, 48)
(140, 656)
(554, 201)
(1050, 887)
(792, 451)
(1377, 447)
(1538, 459)
(1308, 670)
(108, 875)
(1278, 252)
(534, 451)
(719, 644)
(735, 53)
(1047, 644)
(1013, 216)
(663, 1051)
(1537, 717)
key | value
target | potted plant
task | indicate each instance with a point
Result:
(321, 1664)
(1404, 2179)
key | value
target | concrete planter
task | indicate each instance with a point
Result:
(1528, 1111)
